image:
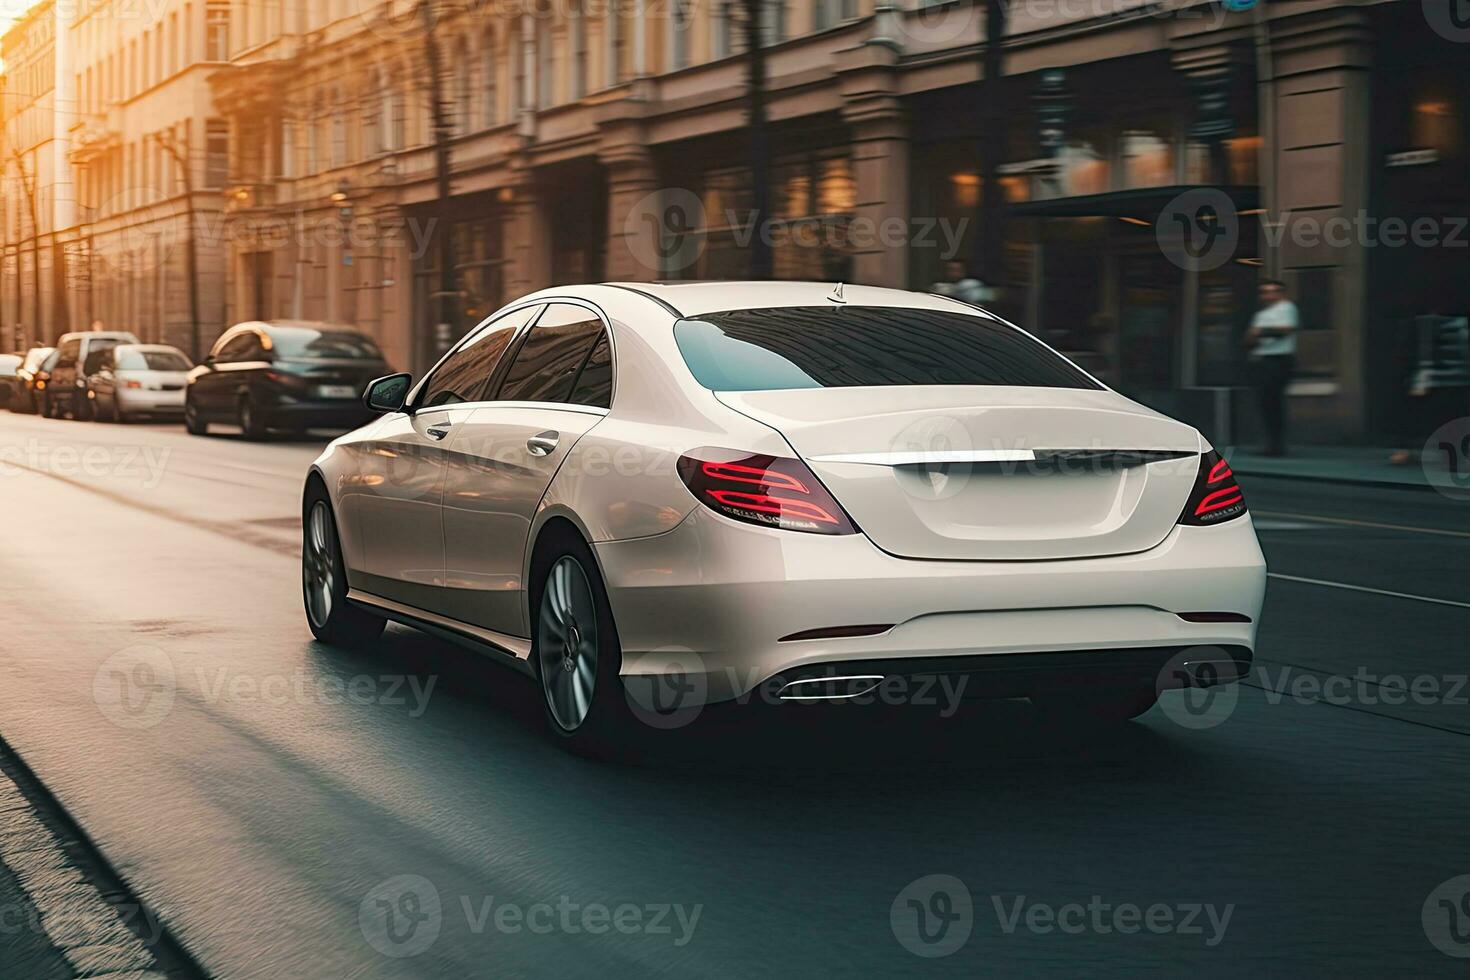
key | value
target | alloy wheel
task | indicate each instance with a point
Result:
(567, 643)
(318, 564)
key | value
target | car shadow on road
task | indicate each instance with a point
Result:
(897, 743)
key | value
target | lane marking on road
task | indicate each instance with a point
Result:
(1444, 532)
(1364, 588)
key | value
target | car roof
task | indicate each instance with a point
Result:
(698, 298)
(150, 347)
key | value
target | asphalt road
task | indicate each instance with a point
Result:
(294, 810)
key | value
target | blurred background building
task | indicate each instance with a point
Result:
(608, 139)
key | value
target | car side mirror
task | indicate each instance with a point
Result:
(388, 394)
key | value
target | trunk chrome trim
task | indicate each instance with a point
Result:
(512, 650)
(1125, 457)
(931, 458)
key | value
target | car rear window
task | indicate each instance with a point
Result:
(152, 360)
(304, 342)
(865, 346)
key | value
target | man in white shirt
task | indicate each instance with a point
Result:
(1272, 342)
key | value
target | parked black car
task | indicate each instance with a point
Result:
(33, 375)
(78, 356)
(283, 374)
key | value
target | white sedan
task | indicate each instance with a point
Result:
(791, 491)
(135, 380)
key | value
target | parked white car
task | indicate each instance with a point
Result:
(136, 380)
(787, 488)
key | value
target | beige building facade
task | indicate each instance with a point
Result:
(607, 140)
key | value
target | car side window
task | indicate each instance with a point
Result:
(67, 356)
(237, 348)
(547, 363)
(594, 385)
(465, 374)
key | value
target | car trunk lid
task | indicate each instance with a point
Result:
(990, 473)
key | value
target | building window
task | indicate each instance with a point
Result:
(461, 119)
(577, 29)
(614, 42)
(544, 56)
(217, 30)
(288, 148)
(680, 20)
(773, 21)
(339, 131)
(216, 153)
(724, 42)
(489, 65)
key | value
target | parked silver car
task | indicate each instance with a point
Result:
(135, 380)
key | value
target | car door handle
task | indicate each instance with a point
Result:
(543, 444)
(439, 430)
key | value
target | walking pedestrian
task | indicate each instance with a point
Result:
(1272, 343)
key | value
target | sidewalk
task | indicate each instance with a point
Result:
(1351, 464)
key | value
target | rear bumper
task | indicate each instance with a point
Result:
(145, 402)
(711, 600)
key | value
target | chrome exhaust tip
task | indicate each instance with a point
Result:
(830, 688)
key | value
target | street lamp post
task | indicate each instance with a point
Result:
(448, 287)
(761, 266)
(987, 256)
(180, 156)
(29, 187)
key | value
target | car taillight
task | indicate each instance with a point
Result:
(1216, 497)
(773, 491)
(133, 385)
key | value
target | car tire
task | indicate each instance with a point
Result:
(332, 619)
(83, 409)
(48, 406)
(194, 423)
(1104, 708)
(575, 652)
(252, 426)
